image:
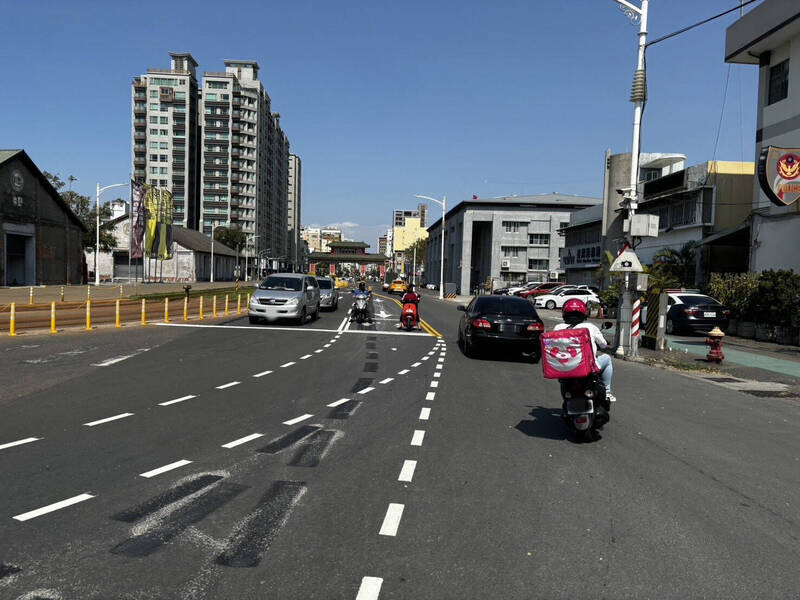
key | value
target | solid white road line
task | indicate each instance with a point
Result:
(262, 373)
(298, 419)
(430, 396)
(416, 439)
(403, 372)
(112, 361)
(341, 326)
(19, 442)
(416, 364)
(288, 364)
(391, 522)
(434, 384)
(387, 380)
(339, 402)
(181, 399)
(243, 440)
(108, 419)
(424, 413)
(407, 472)
(165, 468)
(370, 588)
(267, 330)
(227, 385)
(52, 507)
(437, 374)
(366, 390)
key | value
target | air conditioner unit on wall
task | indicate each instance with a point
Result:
(505, 264)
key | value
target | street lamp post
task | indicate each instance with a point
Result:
(247, 255)
(100, 190)
(631, 199)
(443, 204)
(213, 227)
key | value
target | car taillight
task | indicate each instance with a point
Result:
(481, 324)
(726, 313)
(690, 311)
(535, 327)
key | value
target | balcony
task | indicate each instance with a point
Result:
(140, 147)
(139, 162)
(139, 136)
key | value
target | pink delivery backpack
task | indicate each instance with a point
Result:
(567, 354)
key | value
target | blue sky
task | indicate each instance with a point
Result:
(384, 100)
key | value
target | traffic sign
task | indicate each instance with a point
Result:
(626, 262)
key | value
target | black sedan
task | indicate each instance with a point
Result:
(695, 312)
(500, 322)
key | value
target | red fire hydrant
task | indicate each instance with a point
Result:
(714, 341)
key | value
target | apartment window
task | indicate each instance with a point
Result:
(513, 226)
(225, 96)
(162, 120)
(163, 145)
(162, 170)
(163, 132)
(778, 82)
(511, 251)
(211, 97)
(154, 170)
(180, 95)
(163, 182)
(154, 132)
(539, 239)
(154, 145)
(165, 108)
(154, 119)
(154, 157)
(154, 106)
(217, 85)
(538, 264)
(154, 93)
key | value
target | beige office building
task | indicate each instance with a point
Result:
(293, 212)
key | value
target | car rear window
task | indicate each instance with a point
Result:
(696, 300)
(502, 305)
(290, 284)
(325, 284)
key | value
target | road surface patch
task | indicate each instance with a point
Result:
(6, 570)
(175, 465)
(156, 503)
(244, 440)
(371, 367)
(391, 522)
(255, 533)
(361, 384)
(288, 440)
(108, 419)
(32, 514)
(314, 448)
(344, 412)
(181, 399)
(19, 442)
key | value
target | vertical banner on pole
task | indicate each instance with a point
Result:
(333, 269)
(138, 192)
(383, 272)
(312, 268)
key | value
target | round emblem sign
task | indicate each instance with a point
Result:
(17, 181)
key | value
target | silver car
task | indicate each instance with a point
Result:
(328, 294)
(285, 296)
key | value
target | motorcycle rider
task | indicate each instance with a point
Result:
(362, 287)
(413, 298)
(574, 315)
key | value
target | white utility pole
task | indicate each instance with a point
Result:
(100, 190)
(213, 227)
(247, 255)
(443, 204)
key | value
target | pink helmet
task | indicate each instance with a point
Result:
(574, 306)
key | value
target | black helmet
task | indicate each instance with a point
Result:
(362, 286)
(410, 287)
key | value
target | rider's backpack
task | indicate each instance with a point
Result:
(567, 354)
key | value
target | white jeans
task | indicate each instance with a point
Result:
(606, 370)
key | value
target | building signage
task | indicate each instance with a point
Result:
(779, 174)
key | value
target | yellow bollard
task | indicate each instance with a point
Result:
(53, 317)
(186, 308)
(62, 293)
(30, 297)
(12, 323)
(144, 313)
(238, 304)
(116, 316)
(226, 305)
(202, 316)
(214, 304)
(166, 310)
(88, 315)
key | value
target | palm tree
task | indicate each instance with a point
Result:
(676, 267)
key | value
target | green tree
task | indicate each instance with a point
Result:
(676, 267)
(421, 244)
(233, 237)
(83, 209)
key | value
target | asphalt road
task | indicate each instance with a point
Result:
(338, 460)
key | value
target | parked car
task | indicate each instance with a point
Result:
(500, 322)
(431, 286)
(514, 290)
(398, 286)
(328, 294)
(542, 288)
(695, 312)
(285, 296)
(560, 296)
(385, 285)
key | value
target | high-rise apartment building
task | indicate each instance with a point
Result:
(165, 134)
(399, 216)
(293, 208)
(319, 237)
(219, 148)
(382, 245)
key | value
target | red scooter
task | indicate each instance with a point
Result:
(409, 316)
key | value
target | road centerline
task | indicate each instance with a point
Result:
(19, 442)
(108, 419)
(407, 472)
(227, 385)
(416, 439)
(181, 399)
(391, 522)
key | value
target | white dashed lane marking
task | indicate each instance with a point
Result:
(403, 372)
(430, 396)
(305, 356)
(288, 364)
(391, 522)
(244, 440)
(227, 385)
(424, 413)
(407, 472)
(107, 419)
(437, 374)
(165, 468)
(416, 364)
(262, 373)
(416, 439)
(52, 507)
(434, 384)
(339, 402)
(370, 588)
(181, 399)
(318, 351)
(298, 419)
(387, 380)
(366, 390)
(19, 442)
(439, 366)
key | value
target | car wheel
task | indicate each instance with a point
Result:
(254, 320)
(551, 304)
(469, 348)
(670, 326)
(302, 318)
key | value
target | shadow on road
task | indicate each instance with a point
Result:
(547, 423)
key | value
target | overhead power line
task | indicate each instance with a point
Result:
(698, 24)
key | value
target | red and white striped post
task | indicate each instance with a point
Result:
(635, 322)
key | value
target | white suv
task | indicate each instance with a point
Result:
(285, 296)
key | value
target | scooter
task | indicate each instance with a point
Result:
(409, 316)
(360, 311)
(585, 408)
